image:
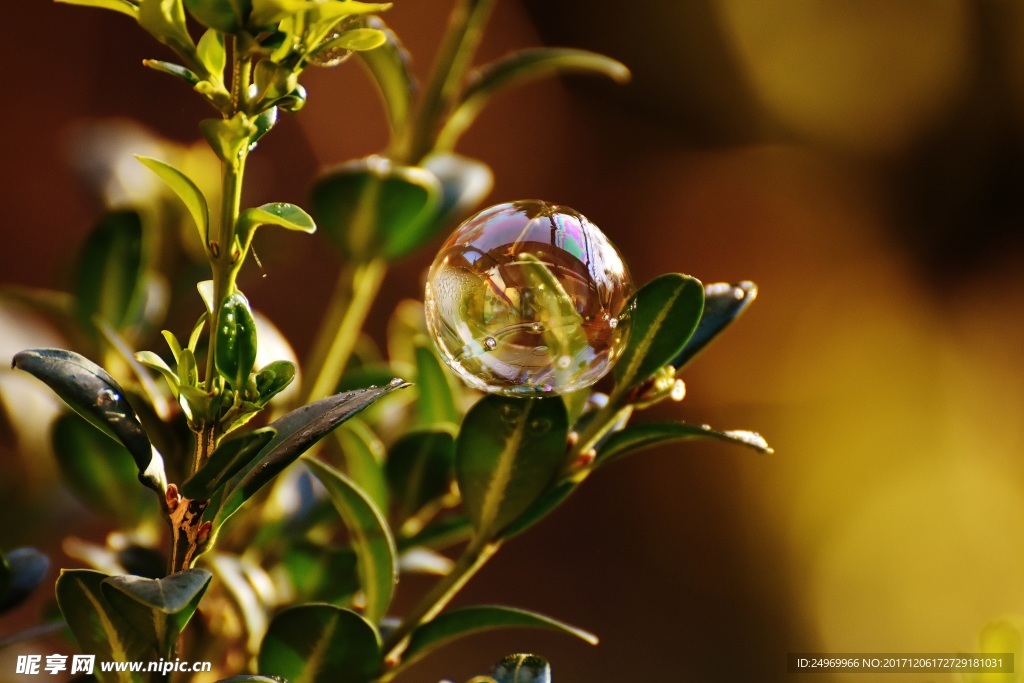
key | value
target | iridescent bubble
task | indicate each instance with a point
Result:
(527, 299)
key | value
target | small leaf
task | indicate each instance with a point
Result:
(188, 192)
(122, 6)
(158, 609)
(518, 68)
(108, 282)
(297, 432)
(640, 436)
(235, 341)
(172, 69)
(467, 621)
(320, 644)
(21, 571)
(285, 215)
(98, 470)
(665, 313)
(263, 122)
(364, 460)
(272, 379)
(356, 40)
(230, 456)
(420, 469)
(723, 303)
(165, 21)
(221, 15)
(370, 536)
(372, 206)
(436, 404)
(94, 395)
(507, 455)
(389, 67)
(211, 50)
(465, 183)
(155, 362)
(522, 669)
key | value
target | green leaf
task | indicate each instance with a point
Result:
(285, 215)
(355, 40)
(188, 192)
(665, 312)
(263, 122)
(455, 624)
(370, 537)
(94, 395)
(389, 67)
(211, 51)
(272, 379)
(372, 206)
(235, 341)
(322, 574)
(522, 668)
(98, 628)
(297, 432)
(155, 362)
(507, 455)
(122, 6)
(158, 609)
(465, 183)
(436, 403)
(320, 644)
(723, 303)
(172, 69)
(165, 21)
(98, 470)
(221, 15)
(21, 571)
(229, 457)
(364, 460)
(108, 283)
(420, 469)
(640, 436)
(518, 68)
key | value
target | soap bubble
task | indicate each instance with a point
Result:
(529, 299)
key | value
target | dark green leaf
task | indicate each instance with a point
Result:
(272, 379)
(99, 629)
(171, 69)
(235, 341)
(98, 470)
(320, 644)
(372, 206)
(723, 303)
(370, 536)
(465, 183)
(21, 571)
(420, 469)
(221, 15)
(522, 669)
(94, 395)
(188, 192)
(282, 214)
(436, 404)
(507, 455)
(230, 456)
(122, 6)
(522, 67)
(264, 122)
(364, 460)
(108, 283)
(158, 609)
(389, 67)
(636, 437)
(297, 432)
(664, 315)
(468, 621)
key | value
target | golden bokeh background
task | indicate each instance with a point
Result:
(861, 160)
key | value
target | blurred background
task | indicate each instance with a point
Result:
(862, 161)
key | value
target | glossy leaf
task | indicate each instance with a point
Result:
(263, 122)
(389, 67)
(297, 432)
(468, 621)
(230, 456)
(637, 437)
(122, 6)
(188, 192)
(372, 206)
(436, 403)
(172, 69)
(518, 68)
(94, 395)
(99, 629)
(364, 460)
(420, 469)
(320, 644)
(723, 303)
(507, 455)
(21, 571)
(158, 609)
(235, 341)
(282, 214)
(465, 183)
(665, 313)
(272, 379)
(522, 668)
(97, 469)
(108, 282)
(222, 15)
(370, 537)
(211, 50)
(355, 40)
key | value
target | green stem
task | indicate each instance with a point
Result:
(469, 563)
(353, 297)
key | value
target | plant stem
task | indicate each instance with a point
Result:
(469, 563)
(357, 287)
